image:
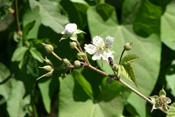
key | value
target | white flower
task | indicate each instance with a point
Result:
(70, 28)
(100, 49)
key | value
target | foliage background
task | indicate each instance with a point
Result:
(149, 24)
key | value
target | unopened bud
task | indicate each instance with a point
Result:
(47, 68)
(128, 46)
(77, 63)
(49, 48)
(73, 45)
(66, 61)
(63, 75)
(115, 67)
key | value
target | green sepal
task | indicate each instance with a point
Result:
(73, 37)
(162, 93)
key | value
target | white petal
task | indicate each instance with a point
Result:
(97, 56)
(91, 49)
(98, 41)
(109, 41)
(70, 28)
(106, 55)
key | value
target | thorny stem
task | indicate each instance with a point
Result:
(125, 84)
(16, 15)
(121, 55)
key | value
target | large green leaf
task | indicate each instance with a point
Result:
(84, 83)
(170, 77)
(17, 102)
(48, 88)
(73, 102)
(148, 49)
(51, 14)
(4, 86)
(167, 26)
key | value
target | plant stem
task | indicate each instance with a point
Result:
(121, 55)
(125, 84)
(16, 15)
(53, 53)
(80, 50)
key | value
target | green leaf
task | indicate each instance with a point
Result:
(17, 102)
(48, 88)
(171, 112)
(4, 86)
(73, 102)
(167, 26)
(129, 58)
(129, 73)
(149, 64)
(19, 53)
(147, 21)
(36, 54)
(84, 83)
(51, 14)
(170, 77)
(27, 28)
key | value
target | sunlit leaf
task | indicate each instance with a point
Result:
(17, 102)
(51, 14)
(129, 73)
(148, 49)
(167, 26)
(171, 112)
(74, 102)
(129, 58)
(19, 53)
(36, 54)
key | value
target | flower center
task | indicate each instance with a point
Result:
(161, 101)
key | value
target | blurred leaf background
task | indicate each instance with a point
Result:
(148, 24)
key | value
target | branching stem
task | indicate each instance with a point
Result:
(125, 84)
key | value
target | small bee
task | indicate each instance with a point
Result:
(110, 60)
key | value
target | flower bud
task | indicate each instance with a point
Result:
(66, 61)
(49, 48)
(115, 67)
(77, 63)
(63, 75)
(47, 68)
(70, 28)
(128, 46)
(73, 45)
